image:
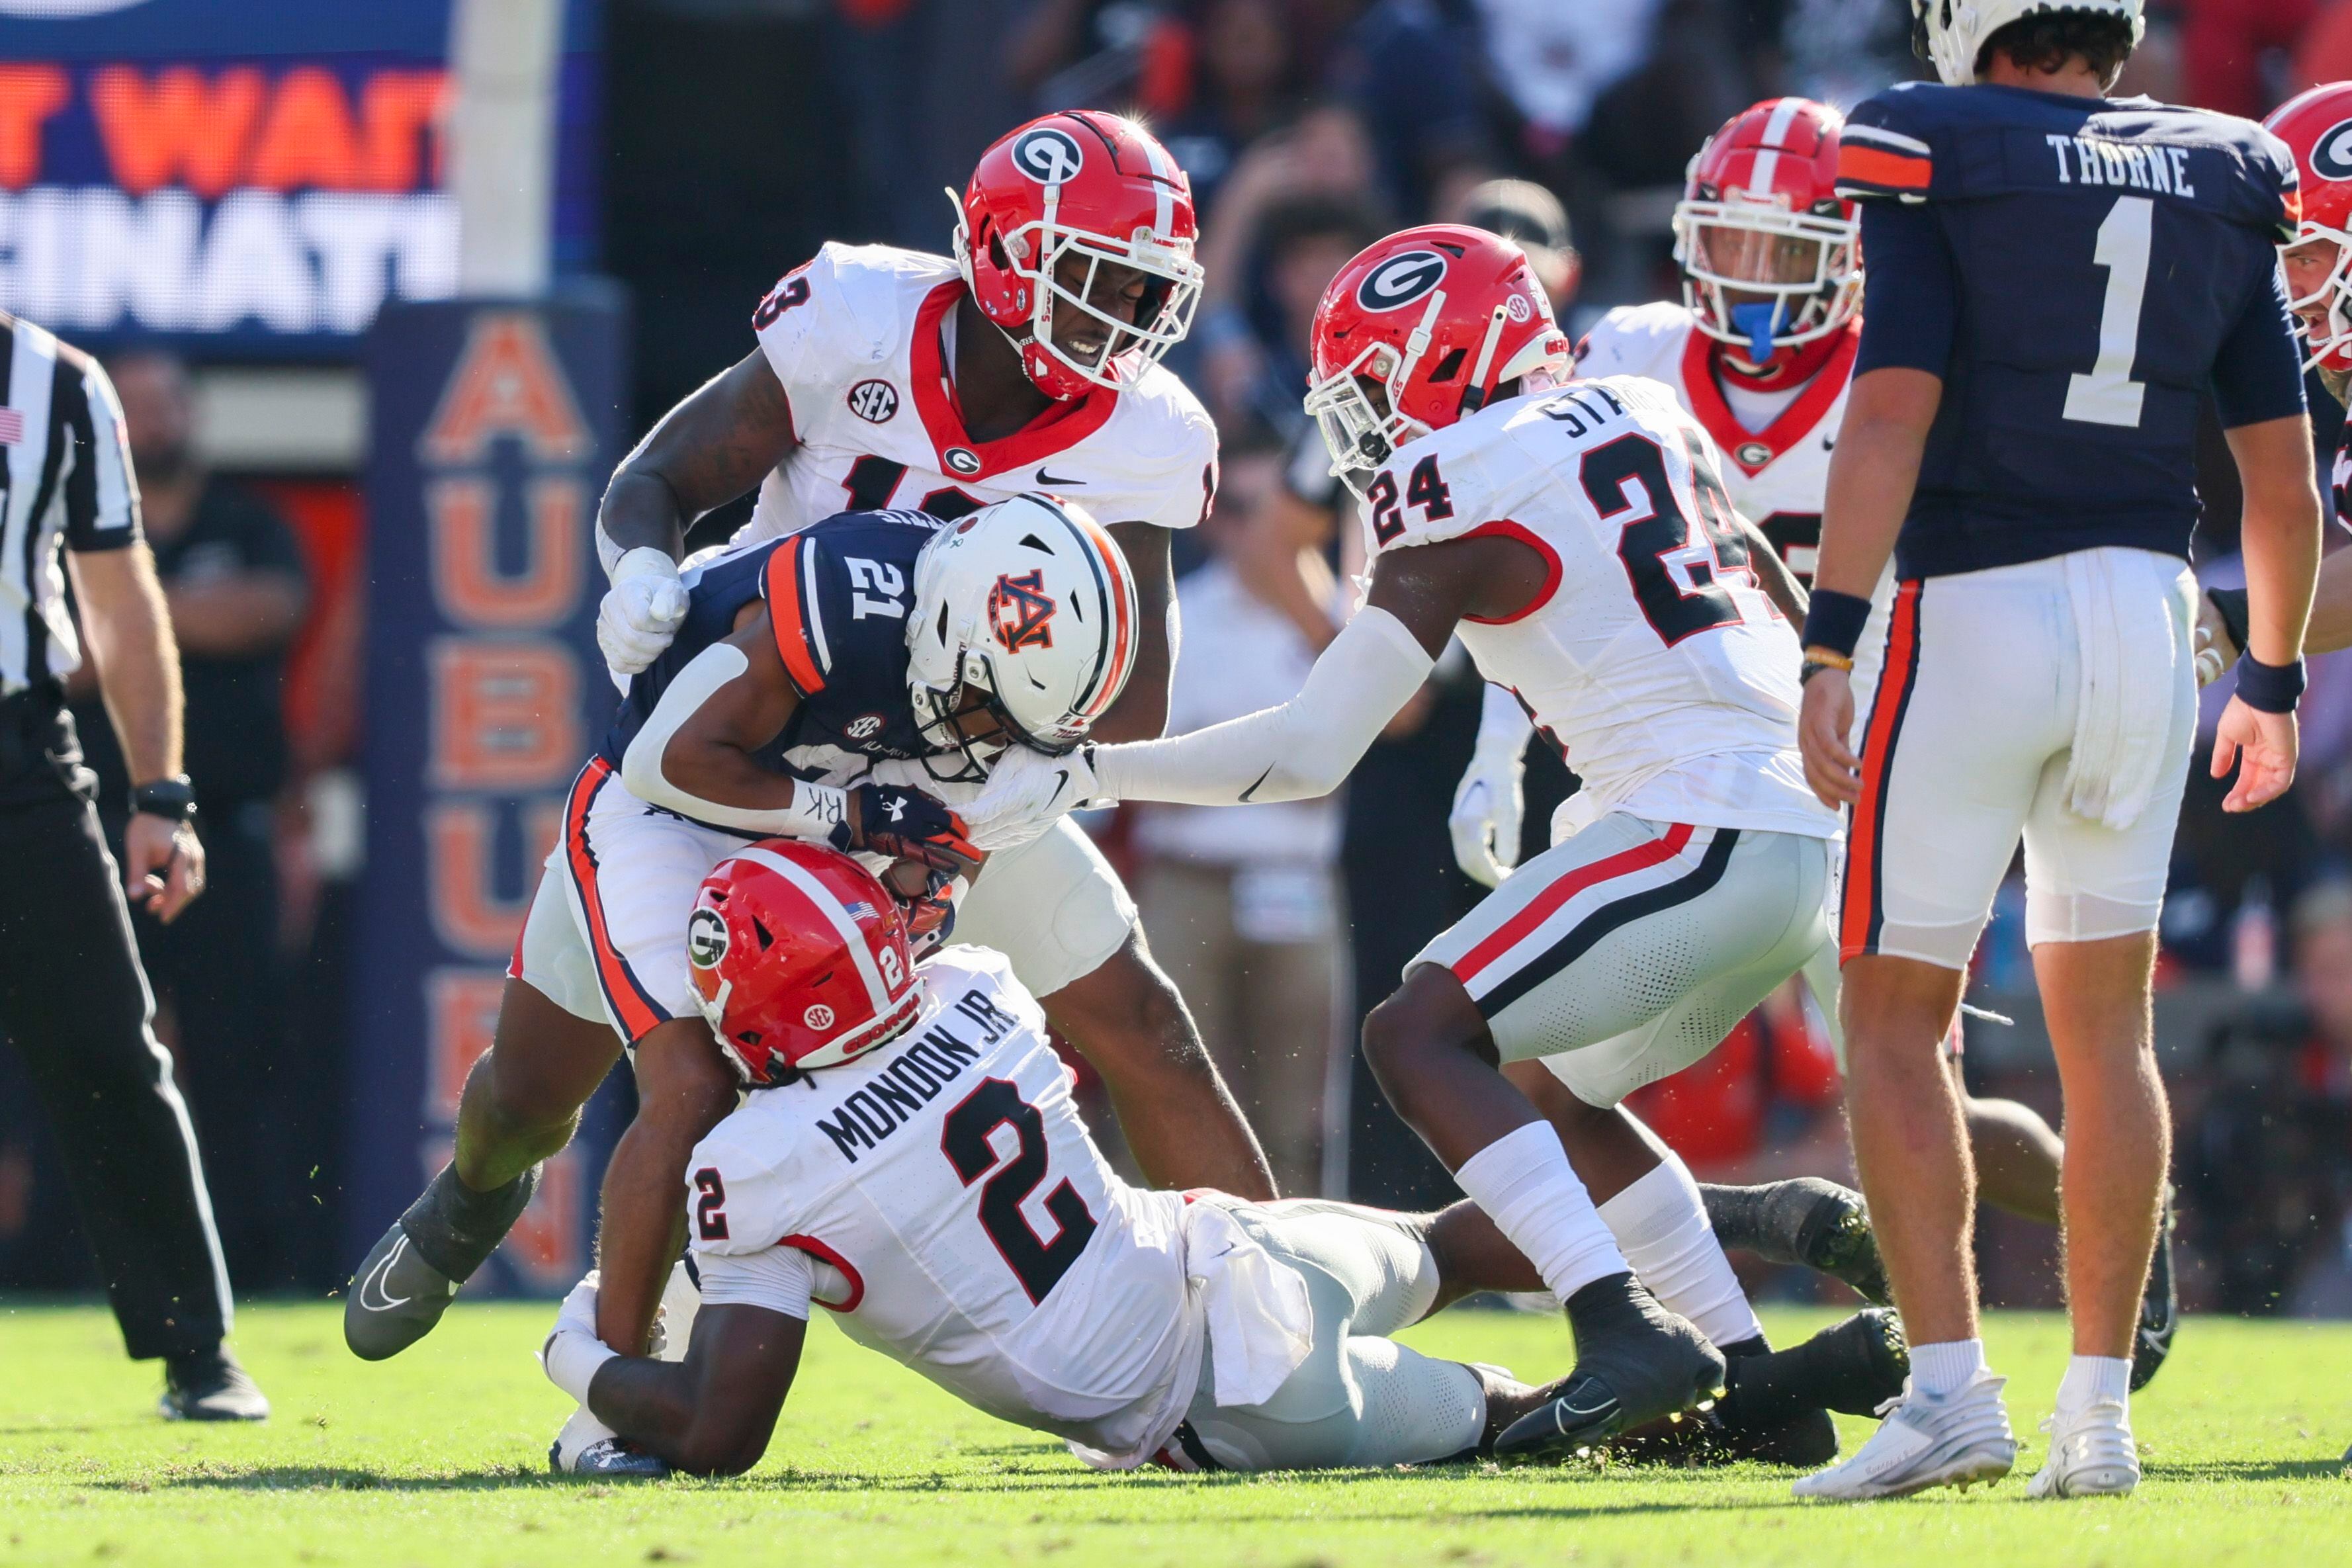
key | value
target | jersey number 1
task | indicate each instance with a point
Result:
(2108, 396)
(1038, 1263)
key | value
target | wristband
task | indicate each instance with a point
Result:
(173, 798)
(2269, 688)
(2230, 604)
(1834, 621)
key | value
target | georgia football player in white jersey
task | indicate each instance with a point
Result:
(1579, 540)
(891, 378)
(1761, 350)
(910, 1159)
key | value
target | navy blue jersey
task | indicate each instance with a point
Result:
(2082, 273)
(837, 596)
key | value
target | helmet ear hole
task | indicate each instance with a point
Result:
(996, 251)
(1450, 366)
(767, 938)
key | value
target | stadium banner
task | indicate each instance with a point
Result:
(247, 178)
(496, 425)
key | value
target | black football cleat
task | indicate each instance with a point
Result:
(396, 1299)
(212, 1386)
(1805, 1220)
(2159, 1306)
(1636, 1363)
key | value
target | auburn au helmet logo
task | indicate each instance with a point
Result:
(1021, 612)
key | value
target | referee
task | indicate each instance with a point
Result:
(73, 999)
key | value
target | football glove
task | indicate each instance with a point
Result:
(2220, 632)
(1490, 803)
(906, 825)
(1026, 791)
(641, 612)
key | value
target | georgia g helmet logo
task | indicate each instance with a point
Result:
(2331, 155)
(1020, 613)
(706, 939)
(1048, 156)
(1400, 280)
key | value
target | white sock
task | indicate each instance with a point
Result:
(1527, 1188)
(1947, 1368)
(2093, 1378)
(1661, 1223)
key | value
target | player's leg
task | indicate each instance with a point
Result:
(1057, 910)
(1557, 960)
(1952, 760)
(2093, 895)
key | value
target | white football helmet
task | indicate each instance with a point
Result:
(1030, 601)
(1950, 33)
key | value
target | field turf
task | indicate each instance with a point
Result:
(437, 1458)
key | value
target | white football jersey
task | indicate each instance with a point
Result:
(1652, 659)
(966, 1223)
(855, 336)
(1777, 476)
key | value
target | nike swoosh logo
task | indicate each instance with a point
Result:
(1255, 783)
(377, 1277)
(1061, 782)
(1046, 479)
(1582, 1413)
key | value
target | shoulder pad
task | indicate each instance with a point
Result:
(1887, 151)
(739, 1191)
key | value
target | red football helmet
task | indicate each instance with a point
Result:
(799, 959)
(1760, 218)
(1088, 184)
(2316, 126)
(1438, 317)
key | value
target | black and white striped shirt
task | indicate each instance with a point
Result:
(67, 478)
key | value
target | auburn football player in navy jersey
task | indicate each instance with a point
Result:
(2056, 280)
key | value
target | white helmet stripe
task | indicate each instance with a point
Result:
(1163, 215)
(817, 893)
(1768, 162)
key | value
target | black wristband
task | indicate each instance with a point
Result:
(2230, 604)
(1834, 620)
(2269, 688)
(172, 797)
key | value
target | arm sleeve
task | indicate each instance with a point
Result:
(2258, 370)
(782, 1278)
(1304, 749)
(816, 809)
(101, 496)
(1911, 291)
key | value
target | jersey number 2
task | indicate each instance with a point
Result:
(1675, 579)
(2108, 396)
(1038, 1263)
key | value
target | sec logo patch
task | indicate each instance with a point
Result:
(818, 1017)
(865, 727)
(874, 401)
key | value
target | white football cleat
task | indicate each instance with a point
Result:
(2091, 1453)
(1957, 1440)
(586, 1446)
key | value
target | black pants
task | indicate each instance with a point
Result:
(74, 1004)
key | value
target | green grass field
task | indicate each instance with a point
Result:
(437, 1458)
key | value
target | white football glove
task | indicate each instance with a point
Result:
(641, 612)
(574, 1353)
(1490, 803)
(1026, 792)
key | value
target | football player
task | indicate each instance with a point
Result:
(2057, 281)
(2316, 126)
(814, 679)
(910, 1159)
(1579, 540)
(1760, 352)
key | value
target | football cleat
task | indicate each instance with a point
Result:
(2091, 1453)
(1805, 1220)
(586, 1446)
(2159, 1306)
(211, 1387)
(1636, 1363)
(1957, 1440)
(396, 1299)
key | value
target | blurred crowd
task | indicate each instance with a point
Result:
(743, 132)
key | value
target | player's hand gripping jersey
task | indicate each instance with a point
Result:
(1777, 476)
(861, 339)
(941, 1196)
(2072, 268)
(1653, 661)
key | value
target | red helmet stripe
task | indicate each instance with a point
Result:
(822, 898)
